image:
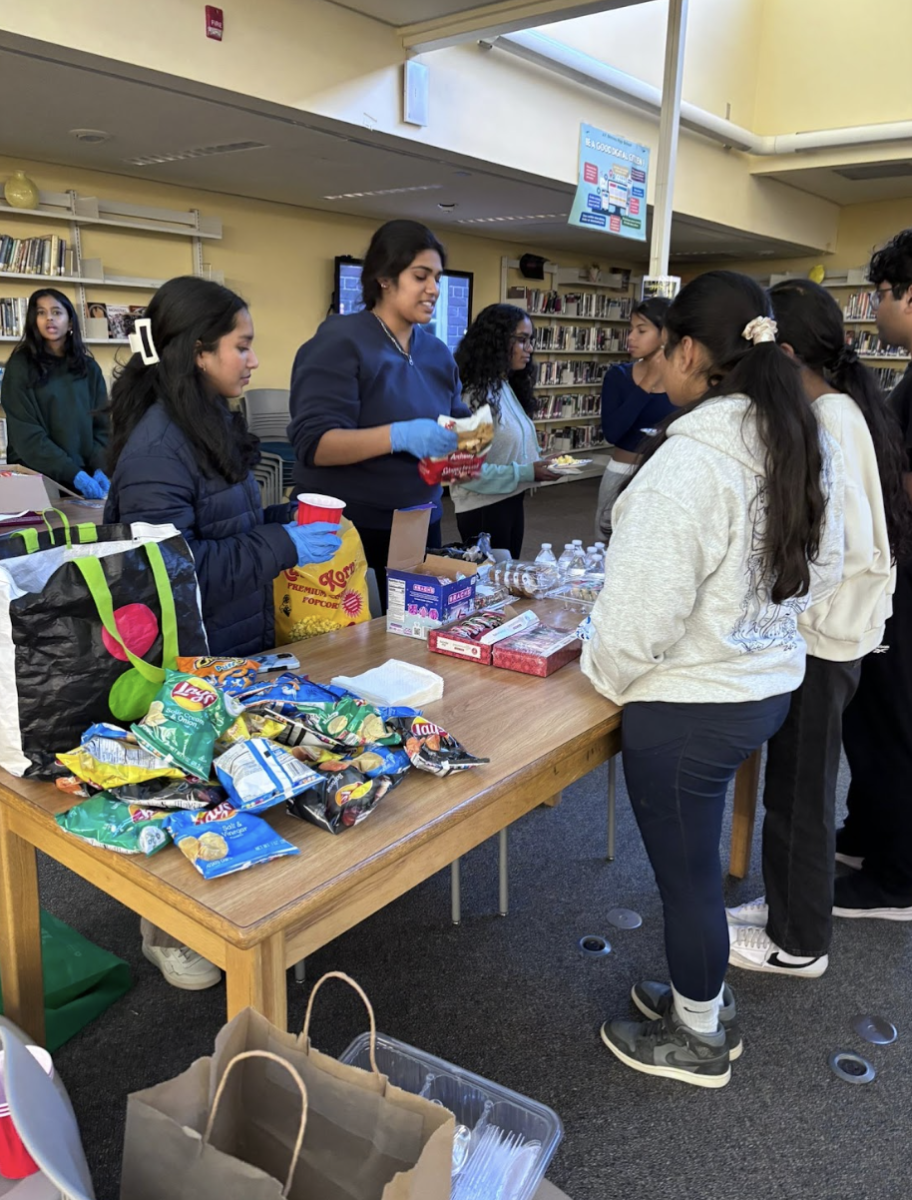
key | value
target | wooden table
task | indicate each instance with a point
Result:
(540, 734)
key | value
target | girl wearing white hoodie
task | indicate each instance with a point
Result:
(788, 931)
(696, 634)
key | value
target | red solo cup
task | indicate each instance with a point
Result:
(15, 1160)
(313, 507)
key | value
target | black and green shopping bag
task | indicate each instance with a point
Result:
(89, 617)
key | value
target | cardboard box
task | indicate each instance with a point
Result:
(417, 600)
(452, 641)
(22, 490)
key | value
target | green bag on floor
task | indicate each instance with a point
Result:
(80, 980)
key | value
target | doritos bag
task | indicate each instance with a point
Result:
(320, 597)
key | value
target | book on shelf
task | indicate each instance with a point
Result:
(584, 338)
(888, 377)
(543, 302)
(858, 307)
(866, 342)
(555, 373)
(121, 318)
(567, 406)
(12, 315)
(34, 256)
(560, 440)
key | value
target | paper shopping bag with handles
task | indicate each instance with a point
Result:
(89, 619)
(365, 1139)
(320, 597)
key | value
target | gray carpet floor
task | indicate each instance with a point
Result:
(512, 999)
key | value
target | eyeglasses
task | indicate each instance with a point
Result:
(878, 295)
(527, 342)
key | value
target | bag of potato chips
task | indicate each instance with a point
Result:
(184, 721)
(223, 840)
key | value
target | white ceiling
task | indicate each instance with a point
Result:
(304, 160)
(873, 181)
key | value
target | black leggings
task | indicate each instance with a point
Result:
(678, 762)
(376, 543)
(504, 521)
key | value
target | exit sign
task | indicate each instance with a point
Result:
(215, 22)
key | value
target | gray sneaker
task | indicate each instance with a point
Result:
(669, 1048)
(655, 999)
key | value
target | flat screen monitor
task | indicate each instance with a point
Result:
(453, 313)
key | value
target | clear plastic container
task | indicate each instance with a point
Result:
(545, 556)
(469, 1097)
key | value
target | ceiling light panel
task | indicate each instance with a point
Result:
(396, 191)
(501, 220)
(154, 160)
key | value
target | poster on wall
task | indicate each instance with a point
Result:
(611, 192)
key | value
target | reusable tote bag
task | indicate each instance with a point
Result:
(320, 597)
(88, 618)
(365, 1139)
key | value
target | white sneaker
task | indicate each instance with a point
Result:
(182, 967)
(753, 949)
(755, 912)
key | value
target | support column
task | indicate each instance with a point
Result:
(669, 125)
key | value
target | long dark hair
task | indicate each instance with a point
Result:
(810, 321)
(394, 247)
(713, 310)
(483, 358)
(187, 315)
(33, 347)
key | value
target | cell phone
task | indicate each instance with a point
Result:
(282, 661)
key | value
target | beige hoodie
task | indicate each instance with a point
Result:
(849, 622)
(685, 614)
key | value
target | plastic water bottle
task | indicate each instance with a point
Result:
(577, 567)
(563, 563)
(592, 558)
(545, 556)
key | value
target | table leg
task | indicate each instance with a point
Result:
(503, 873)
(553, 801)
(20, 934)
(455, 893)
(612, 803)
(747, 783)
(256, 979)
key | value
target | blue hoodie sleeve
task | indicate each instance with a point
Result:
(325, 390)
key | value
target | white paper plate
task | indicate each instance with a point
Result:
(574, 470)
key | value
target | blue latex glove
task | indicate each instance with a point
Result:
(86, 486)
(102, 480)
(422, 437)
(315, 543)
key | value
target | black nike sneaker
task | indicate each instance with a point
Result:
(671, 1049)
(655, 999)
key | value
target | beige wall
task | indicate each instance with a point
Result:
(824, 65)
(862, 229)
(278, 257)
(321, 58)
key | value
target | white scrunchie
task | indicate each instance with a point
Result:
(761, 329)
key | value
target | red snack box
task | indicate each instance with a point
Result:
(541, 651)
(460, 638)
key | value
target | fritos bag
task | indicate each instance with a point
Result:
(320, 597)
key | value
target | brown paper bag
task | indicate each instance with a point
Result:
(365, 1139)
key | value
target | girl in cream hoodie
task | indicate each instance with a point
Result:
(696, 633)
(788, 931)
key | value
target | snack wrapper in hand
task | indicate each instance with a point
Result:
(184, 721)
(432, 749)
(339, 799)
(258, 774)
(169, 794)
(475, 434)
(222, 840)
(230, 674)
(125, 828)
(112, 761)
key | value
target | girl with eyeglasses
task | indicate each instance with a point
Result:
(54, 398)
(495, 367)
(634, 402)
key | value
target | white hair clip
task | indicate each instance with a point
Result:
(141, 342)
(761, 329)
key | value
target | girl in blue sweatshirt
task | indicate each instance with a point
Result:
(367, 389)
